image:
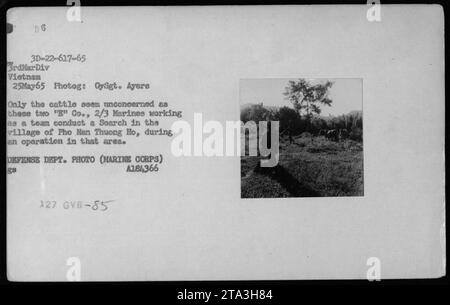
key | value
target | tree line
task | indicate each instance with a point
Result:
(291, 120)
(306, 99)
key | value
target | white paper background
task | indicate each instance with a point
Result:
(188, 222)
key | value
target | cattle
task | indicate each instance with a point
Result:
(332, 134)
(343, 134)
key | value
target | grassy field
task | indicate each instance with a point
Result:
(309, 167)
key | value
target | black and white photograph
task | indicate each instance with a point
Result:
(320, 137)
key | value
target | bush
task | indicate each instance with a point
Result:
(356, 134)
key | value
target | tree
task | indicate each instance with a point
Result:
(254, 112)
(307, 97)
(288, 119)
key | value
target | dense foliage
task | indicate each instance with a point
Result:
(289, 118)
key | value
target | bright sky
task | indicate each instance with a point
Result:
(346, 93)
